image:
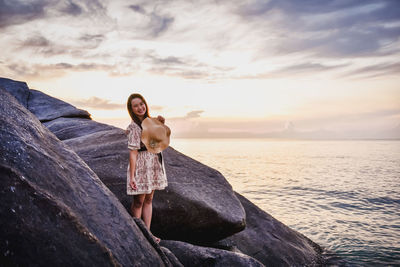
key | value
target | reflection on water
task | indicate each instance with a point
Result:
(344, 195)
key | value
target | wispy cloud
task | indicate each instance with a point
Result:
(332, 28)
(293, 70)
(97, 103)
(157, 23)
(36, 41)
(376, 70)
(19, 12)
(16, 12)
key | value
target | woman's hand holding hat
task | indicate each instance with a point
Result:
(161, 119)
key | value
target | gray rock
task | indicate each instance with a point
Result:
(46, 188)
(17, 89)
(68, 128)
(166, 255)
(197, 196)
(191, 255)
(271, 242)
(172, 258)
(48, 108)
(198, 205)
(39, 230)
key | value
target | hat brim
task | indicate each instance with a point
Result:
(155, 135)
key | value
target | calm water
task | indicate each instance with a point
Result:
(344, 195)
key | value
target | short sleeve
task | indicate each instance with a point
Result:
(134, 134)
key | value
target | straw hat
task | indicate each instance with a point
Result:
(155, 135)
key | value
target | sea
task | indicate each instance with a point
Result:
(343, 195)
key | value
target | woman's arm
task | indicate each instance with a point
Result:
(132, 161)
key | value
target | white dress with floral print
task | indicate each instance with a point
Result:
(150, 173)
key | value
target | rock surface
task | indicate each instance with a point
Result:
(48, 108)
(46, 187)
(68, 128)
(18, 89)
(197, 206)
(271, 242)
(199, 196)
(191, 255)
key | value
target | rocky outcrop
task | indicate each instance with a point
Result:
(191, 255)
(48, 108)
(197, 206)
(67, 128)
(48, 185)
(271, 242)
(18, 89)
(197, 196)
(43, 106)
(53, 205)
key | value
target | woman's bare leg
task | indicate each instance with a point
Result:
(137, 205)
(147, 211)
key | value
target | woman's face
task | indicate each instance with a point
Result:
(138, 107)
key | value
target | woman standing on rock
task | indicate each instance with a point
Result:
(146, 171)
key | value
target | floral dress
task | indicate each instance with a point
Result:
(150, 172)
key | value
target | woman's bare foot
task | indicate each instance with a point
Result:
(156, 239)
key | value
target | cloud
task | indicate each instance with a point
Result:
(72, 9)
(36, 41)
(137, 8)
(348, 125)
(193, 114)
(58, 69)
(97, 103)
(334, 28)
(183, 67)
(307, 67)
(17, 12)
(383, 69)
(157, 24)
(92, 40)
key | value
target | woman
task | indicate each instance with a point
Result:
(146, 172)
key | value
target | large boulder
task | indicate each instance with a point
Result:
(48, 108)
(68, 128)
(55, 210)
(198, 205)
(197, 196)
(18, 89)
(192, 255)
(271, 242)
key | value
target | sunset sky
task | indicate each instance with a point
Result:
(223, 68)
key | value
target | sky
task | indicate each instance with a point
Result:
(290, 69)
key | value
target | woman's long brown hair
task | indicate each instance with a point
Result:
(130, 111)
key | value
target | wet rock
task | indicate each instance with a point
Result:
(271, 242)
(46, 189)
(191, 255)
(48, 108)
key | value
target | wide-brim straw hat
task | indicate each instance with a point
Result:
(155, 135)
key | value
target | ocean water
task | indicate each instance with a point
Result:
(344, 195)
